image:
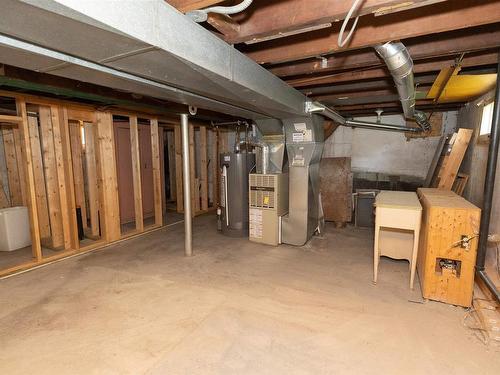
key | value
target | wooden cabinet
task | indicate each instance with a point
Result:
(448, 246)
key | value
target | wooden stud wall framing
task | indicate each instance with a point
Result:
(200, 198)
(64, 160)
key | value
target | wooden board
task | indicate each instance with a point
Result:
(107, 177)
(92, 183)
(203, 168)
(30, 180)
(38, 172)
(62, 159)
(446, 218)
(136, 173)
(178, 169)
(450, 170)
(336, 189)
(51, 177)
(156, 165)
(460, 183)
(192, 171)
(21, 162)
(14, 181)
(75, 130)
(68, 203)
(435, 161)
(4, 201)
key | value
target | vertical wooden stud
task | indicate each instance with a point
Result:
(75, 134)
(64, 166)
(108, 181)
(155, 151)
(38, 172)
(136, 173)
(15, 192)
(215, 169)
(92, 183)
(21, 169)
(51, 179)
(178, 169)
(30, 180)
(203, 168)
(192, 169)
(171, 164)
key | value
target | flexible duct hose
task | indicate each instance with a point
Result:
(201, 15)
(399, 62)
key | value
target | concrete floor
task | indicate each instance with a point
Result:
(140, 307)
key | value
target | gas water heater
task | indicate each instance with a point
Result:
(233, 211)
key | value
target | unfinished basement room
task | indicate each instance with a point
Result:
(206, 187)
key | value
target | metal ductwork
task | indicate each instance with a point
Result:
(398, 60)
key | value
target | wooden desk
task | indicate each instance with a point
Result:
(397, 228)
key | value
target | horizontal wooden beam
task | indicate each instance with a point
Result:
(275, 17)
(187, 5)
(445, 44)
(372, 30)
(10, 119)
(420, 67)
(345, 88)
(224, 24)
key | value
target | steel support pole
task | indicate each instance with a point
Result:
(489, 188)
(188, 240)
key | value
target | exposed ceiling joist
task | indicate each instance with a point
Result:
(187, 5)
(372, 30)
(451, 43)
(420, 67)
(272, 18)
(385, 82)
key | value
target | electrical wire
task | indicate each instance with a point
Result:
(354, 7)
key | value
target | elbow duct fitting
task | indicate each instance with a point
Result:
(399, 62)
(201, 15)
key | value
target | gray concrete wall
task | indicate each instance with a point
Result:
(382, 152)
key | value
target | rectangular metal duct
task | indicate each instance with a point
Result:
(148, 39)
